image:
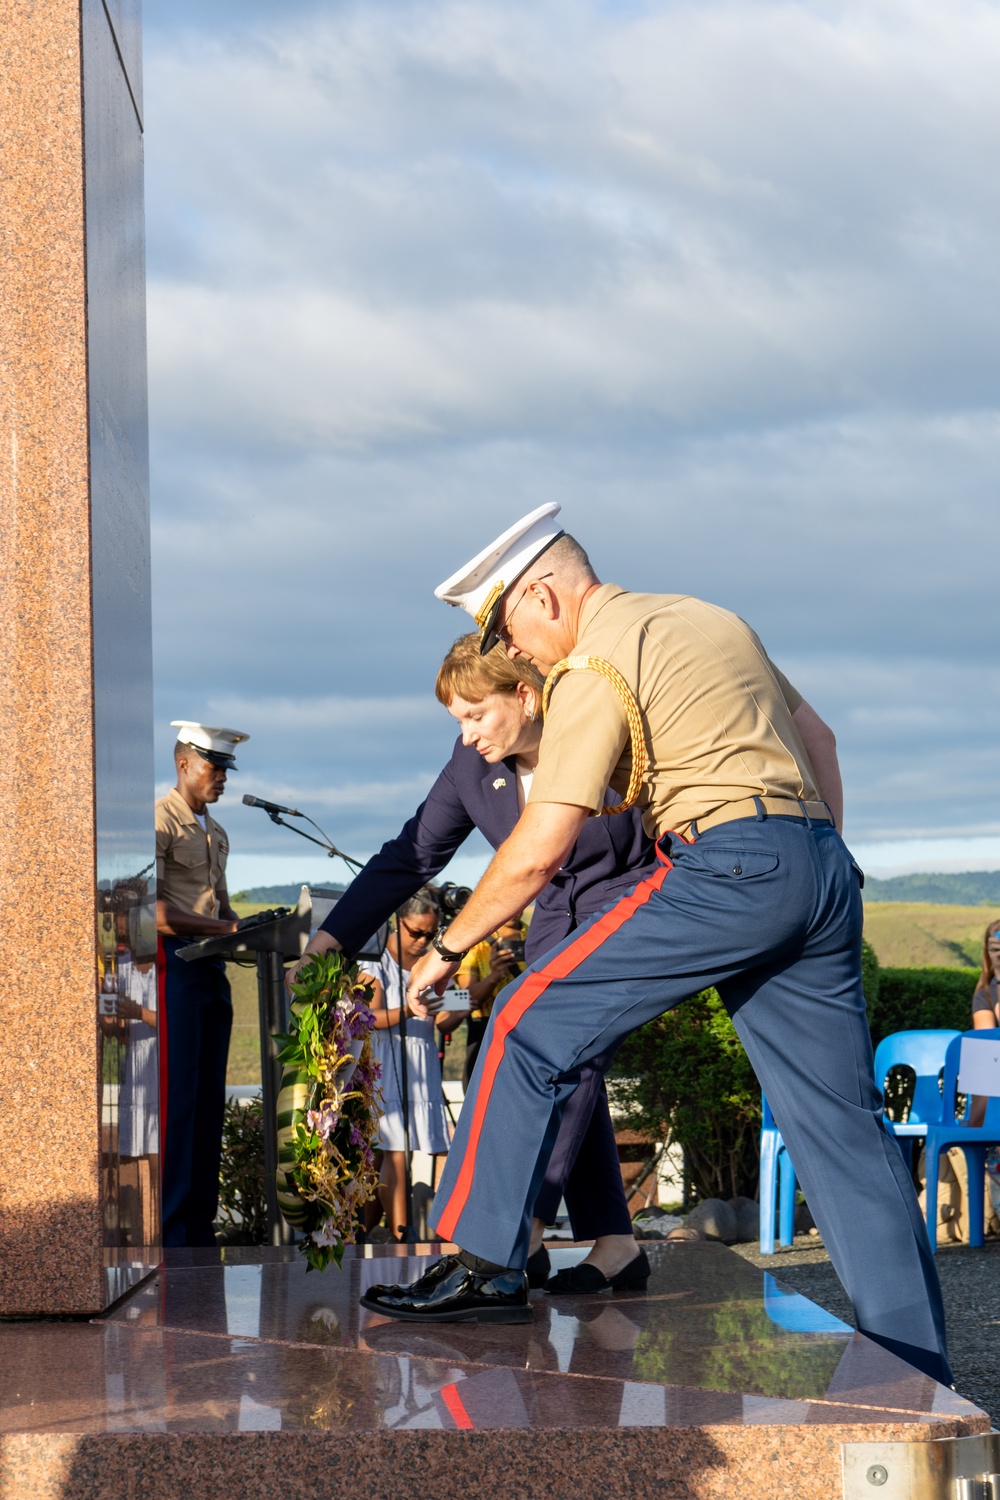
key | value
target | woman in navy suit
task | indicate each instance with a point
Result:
(497, 702)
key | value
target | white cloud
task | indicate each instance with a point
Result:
(720, 277)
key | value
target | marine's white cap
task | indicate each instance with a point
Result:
(479, 586)
(211, 742)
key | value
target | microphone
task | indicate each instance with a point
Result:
(270, 807)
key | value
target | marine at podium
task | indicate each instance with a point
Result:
(196, 1006)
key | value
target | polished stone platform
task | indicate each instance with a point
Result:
(240, 1374)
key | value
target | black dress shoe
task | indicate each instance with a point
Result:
(434, 1272)
(539, 1268)
(585, 1279)
(450, 1293)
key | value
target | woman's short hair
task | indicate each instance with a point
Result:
(466, 674)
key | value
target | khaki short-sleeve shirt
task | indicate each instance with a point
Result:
(716, 713)
(190, 860)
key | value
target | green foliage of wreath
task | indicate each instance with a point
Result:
(328, 1108)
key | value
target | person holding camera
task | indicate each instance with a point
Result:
(485, 970)
(497, 703)
(415, 926)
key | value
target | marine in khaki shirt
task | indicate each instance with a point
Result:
(716, 723)
(676, 703)
(193, 902)
(190, 859)
(718, 726)
(192, 848)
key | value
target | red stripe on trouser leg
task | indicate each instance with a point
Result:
(161, 1040)
(456, 1407)
(535, 985)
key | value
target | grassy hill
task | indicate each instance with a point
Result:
(962, 888)
(904, 934)
(912, 934)
(244, 1047)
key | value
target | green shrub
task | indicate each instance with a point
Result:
(686, 1072)
(242, 1216)
(921, 999)
(870, 975)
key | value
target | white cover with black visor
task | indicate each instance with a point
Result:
(479, 586)
(212, 742)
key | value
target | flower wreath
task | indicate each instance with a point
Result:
(328, 1108)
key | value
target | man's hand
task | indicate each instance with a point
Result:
(176, 921)
(430, 972)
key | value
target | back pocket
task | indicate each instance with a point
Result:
(738, 864)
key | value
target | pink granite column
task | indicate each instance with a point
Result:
(75, 727)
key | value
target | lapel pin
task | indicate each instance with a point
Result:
(500, 781)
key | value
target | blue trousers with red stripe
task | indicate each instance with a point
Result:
(768, 911)
(196, 1021)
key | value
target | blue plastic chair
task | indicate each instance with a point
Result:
(777, 1182)
(924, 1052)
(975, 1141)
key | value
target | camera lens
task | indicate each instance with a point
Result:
(454, 897)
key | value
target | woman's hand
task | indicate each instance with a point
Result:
(323, 942)
(501, 964)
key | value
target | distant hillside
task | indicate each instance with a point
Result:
(279, 895)
(910, 935)
(970, 888)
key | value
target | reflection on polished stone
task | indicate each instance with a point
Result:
(711, 1334)
(241, 1373)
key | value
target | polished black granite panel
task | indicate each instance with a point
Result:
(125, 17)
(708, 1322)
(126, 991)
(116, 1378)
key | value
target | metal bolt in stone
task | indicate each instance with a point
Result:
(877, 1474)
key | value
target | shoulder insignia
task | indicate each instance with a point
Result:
(500, 781)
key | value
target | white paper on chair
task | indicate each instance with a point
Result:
(979, 1067)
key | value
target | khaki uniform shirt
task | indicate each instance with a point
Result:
(716, 713)
(190, 860)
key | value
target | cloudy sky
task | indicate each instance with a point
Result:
(722, 278)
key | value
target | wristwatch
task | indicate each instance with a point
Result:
(437, 942)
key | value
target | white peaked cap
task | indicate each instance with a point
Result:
(479, 585)
(211, 741)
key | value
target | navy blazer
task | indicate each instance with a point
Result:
(607, 860)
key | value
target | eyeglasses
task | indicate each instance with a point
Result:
(418, 935)
(501, 630)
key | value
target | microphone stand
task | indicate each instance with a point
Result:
(324, 843)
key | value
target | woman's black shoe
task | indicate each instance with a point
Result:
(450, 1293)
(585, 1279)
(539, 1268)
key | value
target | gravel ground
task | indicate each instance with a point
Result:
(970, 1283)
